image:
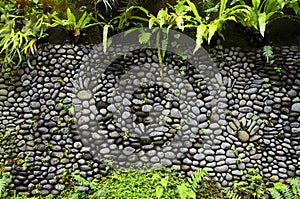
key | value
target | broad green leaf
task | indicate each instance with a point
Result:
(191, 194)
(71, 17)
(295, 6)
(222, 7)
(138, 7)
(105, 35)
(236, 1)
(262, 23)
(180, 7)
(212, 28)
(200, 34)
(182, 190)
(152, 21)
(213, 9)
(82, 21)
(132, 30)
(195, 11)
(155, 176)
(109, 42)
(255, 5)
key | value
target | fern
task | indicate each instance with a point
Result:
(274, 193)
(197, 177)
(4, 181)
(185, 192)
(295, 184)
(83, 182)
(144, 37)
(268, 53)
(283, 191)
(232, 195)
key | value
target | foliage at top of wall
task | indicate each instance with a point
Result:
(24, 22)
(20, 29)
(185, 15)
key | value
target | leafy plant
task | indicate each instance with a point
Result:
(4, 181)
(286, 191)
(262, 13)
(254, 187)
(185, 15)
(140, 184)
(19, 34)
(198, 176)
(189, 189)
(121, 22)
(72, 24)
(268, 53)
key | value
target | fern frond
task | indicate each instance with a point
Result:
(274, 193)
(283, 189)
(286, 192)
(268, 53)
(81, 180)
(4, 181)
(295, 184)
(260, 190)
(232, 195)
(197, 177)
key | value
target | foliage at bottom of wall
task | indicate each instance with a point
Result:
(164, 183)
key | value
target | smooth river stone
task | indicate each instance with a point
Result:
(84, 95)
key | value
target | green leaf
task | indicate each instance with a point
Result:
(222, 7)
(185, 192)
(137, 7)
(200, 34)
(212, 28)
(262, 23)
(4, 181)
(72, 110)
(71, 18)
(144, 37)
(268, 52)
(152, 20)
(179, 21)
(105, 35)
(213, 9)
(255, 5)
(164, 182)
(195, 11)
(159, 190)
(82, 21)
(162, 17)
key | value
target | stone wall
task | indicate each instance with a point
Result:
(259, 128)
